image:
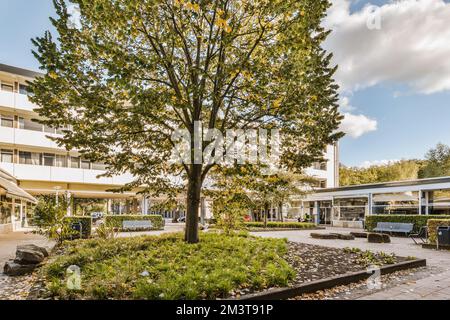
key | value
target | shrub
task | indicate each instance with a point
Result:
(51, 221)
(117, 220)
(281, 225)
(86, 225)
(418, 220)
(166, 267)
(433, 224)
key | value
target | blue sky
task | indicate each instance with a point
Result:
(395, 81)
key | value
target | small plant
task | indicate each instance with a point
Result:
(352, 250)
(107, 230)
(367, 258)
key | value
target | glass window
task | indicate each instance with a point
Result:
(85, 164)
(23, 89)
(74, 162)
(29, 124)
(323, 166)
(5, 210)
(49, 159)
(7, 87)
(6, 156)
(61, 161)
(98, 166)
(7, 121)
(49, 129)
(29, 158)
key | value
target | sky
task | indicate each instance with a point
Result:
(393, 62)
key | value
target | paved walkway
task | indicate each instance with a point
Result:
(9, 242)
(436, 286)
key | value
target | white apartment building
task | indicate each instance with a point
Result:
(41, 167)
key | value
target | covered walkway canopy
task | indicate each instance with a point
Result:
(9, 187)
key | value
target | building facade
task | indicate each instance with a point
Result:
(41, 167)
(348, 206)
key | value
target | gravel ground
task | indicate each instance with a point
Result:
(16, 288)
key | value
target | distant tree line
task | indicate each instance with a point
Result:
(435, 164)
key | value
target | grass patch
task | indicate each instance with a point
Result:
(165, 267)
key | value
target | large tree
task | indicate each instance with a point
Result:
(133, 71)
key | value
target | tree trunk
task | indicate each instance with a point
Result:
(266, 212)
(280, 211)
(193, 204)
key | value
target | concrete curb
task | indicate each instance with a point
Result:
(313, 286)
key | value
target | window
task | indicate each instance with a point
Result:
(49, 159)
(7, 87)
(23, 89)
(49, 129)
(323, 166)
(7, 121)
(98, 166)
(29, 124)
(29, 158)
(85, 164)
(323, 184)
(6, 156)
(61, 161)
(74, 162)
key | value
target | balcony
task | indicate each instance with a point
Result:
(27, 138)
(16, 101)
(29, 172)
(7, 99)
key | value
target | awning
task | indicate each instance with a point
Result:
(14, 191)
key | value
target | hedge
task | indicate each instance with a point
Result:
(281, 225)
(86, 223)
(418, 220)
(432, 227)
(117, 220)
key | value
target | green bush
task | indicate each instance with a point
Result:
(117, 220)
(166, 267)
(418, 220)
(281, 225)
(86, 223)
(433, 224)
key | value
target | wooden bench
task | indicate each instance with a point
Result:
(137, 225)
(394, 227)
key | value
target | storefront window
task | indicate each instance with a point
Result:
(5, 210)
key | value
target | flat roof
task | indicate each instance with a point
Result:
(404, 183)
(20, 71)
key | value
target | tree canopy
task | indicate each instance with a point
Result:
(131, 72)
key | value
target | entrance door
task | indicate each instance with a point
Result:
(325, 216)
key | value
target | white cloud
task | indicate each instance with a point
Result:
(412, 47)
(370, 163)
(345, 105)
(357, 125)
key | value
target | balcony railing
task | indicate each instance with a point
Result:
(30, 172)
(16, 101)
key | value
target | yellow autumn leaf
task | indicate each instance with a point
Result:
(277, 103)
(52, 75)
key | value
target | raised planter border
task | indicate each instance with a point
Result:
(327, 283)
